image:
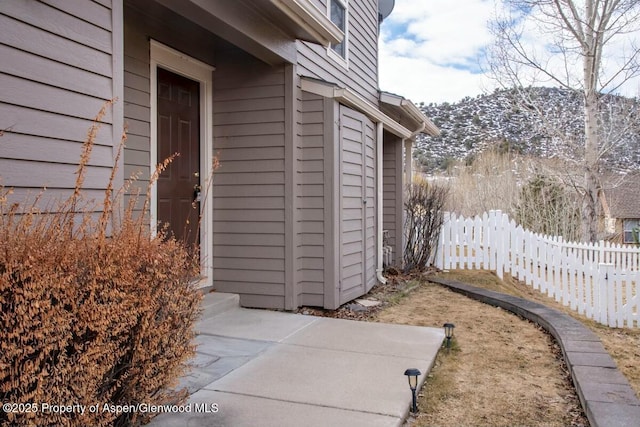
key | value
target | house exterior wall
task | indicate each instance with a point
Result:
(336, 240)
(294, 199)
(361, 75)
(56, 73)
(336, 202)
(393, 191)
(311, 204)
(249, 187)
(249, 141)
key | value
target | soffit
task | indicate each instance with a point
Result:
(351, 99)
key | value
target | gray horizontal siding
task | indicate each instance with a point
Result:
(392, 193)
(52, 46)
(63, 23)
(41, 199)
(310, 207)
(38, 96)
(56, 74)
(136, 100)
(17, 146)
(249, 186)
(97, 13)
(362, 74)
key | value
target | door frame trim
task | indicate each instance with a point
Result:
(184, 65)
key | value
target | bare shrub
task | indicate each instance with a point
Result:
(424, 208)
(546, 206)
(488, 182)
(535, 192)
(93, 311)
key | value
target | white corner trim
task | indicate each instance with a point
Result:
(179, 63)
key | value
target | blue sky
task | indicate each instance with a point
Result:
(434, 50)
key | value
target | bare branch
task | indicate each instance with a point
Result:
(583, 34)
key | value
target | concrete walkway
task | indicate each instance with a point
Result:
(605, 394)
(268, 368)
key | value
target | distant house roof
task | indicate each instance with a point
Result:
(623, 199)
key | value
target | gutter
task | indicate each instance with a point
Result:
(379, 205)
(426, 124)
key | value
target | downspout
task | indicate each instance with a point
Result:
(407, 143)
(417, 131)
(379, 205)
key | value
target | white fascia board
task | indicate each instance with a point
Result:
(310, 18)
(426, 125)
(414, 111)
(350, 98)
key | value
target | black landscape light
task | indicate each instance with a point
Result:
(448, 333)
(413, 374)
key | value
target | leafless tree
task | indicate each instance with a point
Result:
(581, 45)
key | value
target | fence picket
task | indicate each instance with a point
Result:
(600, 280)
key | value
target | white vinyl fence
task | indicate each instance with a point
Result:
(600, 280)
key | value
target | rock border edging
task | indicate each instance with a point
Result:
(605, 394)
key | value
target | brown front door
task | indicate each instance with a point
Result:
(179, 132)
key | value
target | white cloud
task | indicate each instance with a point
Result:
(432, 51)
(429, 49)
(422, 81)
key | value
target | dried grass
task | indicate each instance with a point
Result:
(502, 370)
(93, 311)
(623, 344)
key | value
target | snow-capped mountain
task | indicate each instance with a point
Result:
(549, 124)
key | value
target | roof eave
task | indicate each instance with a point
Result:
(311, 19)
(414, 113)
(350, 98)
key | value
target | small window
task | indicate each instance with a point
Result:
(338, 12)
(631, 230)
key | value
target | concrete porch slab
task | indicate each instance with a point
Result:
(329, 378)
(268, 368)
(234, 410)
(264, 325)
(369, 337)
